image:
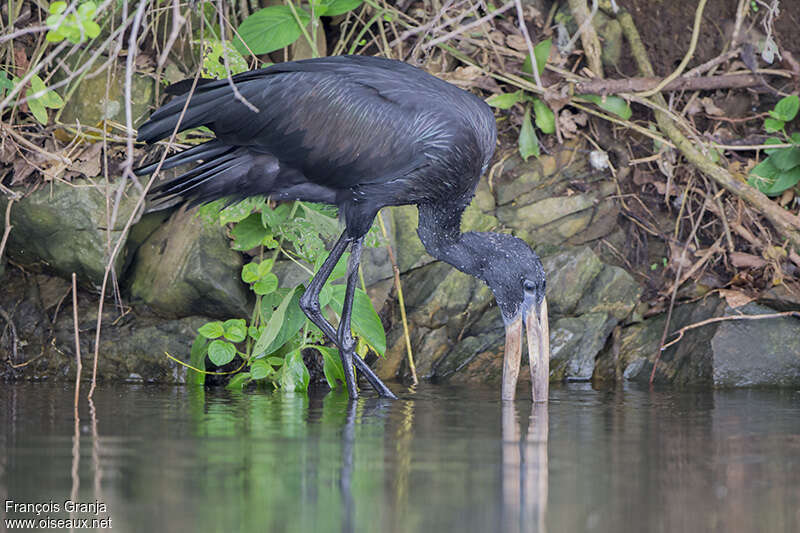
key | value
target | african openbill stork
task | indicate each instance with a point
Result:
(361, 133)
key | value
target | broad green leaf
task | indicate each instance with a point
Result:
(612, 104)
(250, 272)
(544, 117)
(212, 330)
(38, 110)
(250, 233)
(505, 100)
(238, 381)
(528, 143)
(269, 29)
(49, 98)
(785, 180)
(265, 267)
(324, 224)
(5, 83)
(338, 7)
(772, 140)
(294, 375)
(235, 330)
(763, 175)
(197, 358)
(541, 52)
(221, 352)
(240, 210)
(266, 285)
(786, 158)
(364, 320)
(272, 218)
(331, 365)
(340, 270)
(276, 361)
(787, 107)
(214, 53)
(795, 137)
(260, 369)
(56, 8)
(293, 320)
(772, 125)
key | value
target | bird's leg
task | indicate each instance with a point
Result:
(309, 303)
(346, 341)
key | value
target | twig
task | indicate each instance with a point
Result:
(401, 301)
(7, 229)
(685, 83)
(680, 333)
(589, 39)
(228, 77)
(698, 17)
(524, 28)
(77, 340)
(469, 26)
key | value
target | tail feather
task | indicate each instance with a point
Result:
(201, 152)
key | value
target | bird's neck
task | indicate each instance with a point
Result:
(440, 233)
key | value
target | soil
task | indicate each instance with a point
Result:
(666, 30)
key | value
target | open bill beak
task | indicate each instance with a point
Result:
(538, 332)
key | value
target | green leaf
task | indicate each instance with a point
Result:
(272, 218)
(772, 140)
(38, 110)
(544, 117)
(235, 330)
(56, 8)
(5, 83)
(340, 270)
(528, 143)
(212, 330)
(795, 137)
(338, 7)
(786, 108)
(197, 359)
(331, 365)
(214, 53)
(221, 352)
(269, 29)
(250, 233)
(612, 104)
(266, 285)
(772, 125)
(276, 361)
(505, 100)
(283, 324)
(324, 224)
(785, 180)
(259, 369)
(238, 381)
(250, 272)
(294, 376)
(240, 210)
(364, 320)
(541, 52)
(786, 158)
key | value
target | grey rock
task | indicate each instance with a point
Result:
(575, 342)
(569, 275)
(756, 352)
(187, 267)
(62, 226)
(613, 291)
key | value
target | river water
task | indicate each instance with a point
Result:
(441, 458)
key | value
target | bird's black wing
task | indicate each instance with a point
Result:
(341, 122)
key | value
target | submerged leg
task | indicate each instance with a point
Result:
(309, 303)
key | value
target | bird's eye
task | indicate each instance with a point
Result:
(528, 285)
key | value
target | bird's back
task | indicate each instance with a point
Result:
(343, 129)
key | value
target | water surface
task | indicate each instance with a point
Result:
(440, 459)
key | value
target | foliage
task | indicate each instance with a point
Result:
(276, 27)
(214, 55)
(75, 25)
(39, 97)
(781, 169)
(271, 343)
(544, 119)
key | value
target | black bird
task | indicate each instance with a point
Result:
(361, 133)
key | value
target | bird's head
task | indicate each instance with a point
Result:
(516, 276)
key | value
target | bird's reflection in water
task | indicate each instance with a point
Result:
(524, 470)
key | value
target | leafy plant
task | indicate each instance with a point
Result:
(543, 117)
(40, 98)
(75, 26)
(781, 169)
(272, 342)
(214, 52)
(276, 27)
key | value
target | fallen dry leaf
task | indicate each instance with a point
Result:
(745, 260)
(735, 298)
